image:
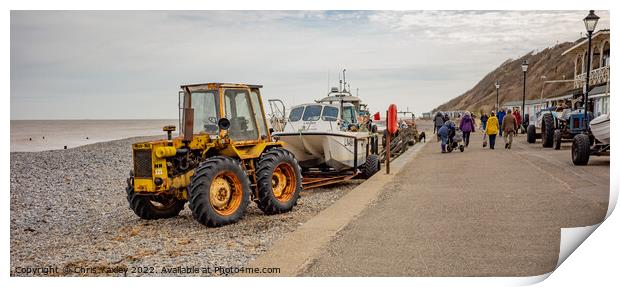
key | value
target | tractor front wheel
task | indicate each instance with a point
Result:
(219, 192)
(581, 149)
(547, 129)
(531, 134)
(278, 177)
(152, 207)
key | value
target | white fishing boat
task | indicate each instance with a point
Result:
(600, 128)
(325, 135)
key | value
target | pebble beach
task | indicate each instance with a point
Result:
(68, 208)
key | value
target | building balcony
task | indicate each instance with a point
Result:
(597, 76)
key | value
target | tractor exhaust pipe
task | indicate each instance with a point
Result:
(188, 117)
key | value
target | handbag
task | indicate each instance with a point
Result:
(484, 140)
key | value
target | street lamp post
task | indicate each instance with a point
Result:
(497, 95)
(590, 21)
(524, 66)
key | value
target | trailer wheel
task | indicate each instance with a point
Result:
(219, 192)
(152, 207)
(278, 180)
(547, 130)
(531, 134)
(557, 139)
(581, 149)
(371, 166)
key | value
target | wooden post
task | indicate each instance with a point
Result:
(388, 143)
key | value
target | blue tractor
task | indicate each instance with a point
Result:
(556, 126)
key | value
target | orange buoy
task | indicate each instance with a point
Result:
(392, 121)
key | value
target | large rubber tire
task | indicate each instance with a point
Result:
(557, 139)
(371, 166)
(151, 207)
(531, 134)
(217, 207)
(278, 177)
(547, 129)
(580, 150)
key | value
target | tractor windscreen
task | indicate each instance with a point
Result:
(205, 105)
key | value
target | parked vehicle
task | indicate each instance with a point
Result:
(596, 141)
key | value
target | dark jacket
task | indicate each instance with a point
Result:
(484, 118)
(438, 120)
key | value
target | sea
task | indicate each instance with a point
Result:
(41, 135)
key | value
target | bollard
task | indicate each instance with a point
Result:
(388, 143)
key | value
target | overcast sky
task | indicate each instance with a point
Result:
(129, 64)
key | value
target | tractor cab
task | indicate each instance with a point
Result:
(209, 109)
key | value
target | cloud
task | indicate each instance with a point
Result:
(129, 64)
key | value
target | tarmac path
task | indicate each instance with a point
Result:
(477, 213)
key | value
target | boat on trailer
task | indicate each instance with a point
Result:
(325, 136)
(600, 128)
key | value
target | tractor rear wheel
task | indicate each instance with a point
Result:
(371, 166)
(547, 130)
(557, 139)
(219, 192)
(278, 177)
(581, 149)
(152, 207)
(531, 134)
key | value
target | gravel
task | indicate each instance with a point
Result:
(69, 211)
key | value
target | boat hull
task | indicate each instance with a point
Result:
(334, 149)
(600, 128)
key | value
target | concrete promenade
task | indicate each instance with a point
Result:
(477, 213)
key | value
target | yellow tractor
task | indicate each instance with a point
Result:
(223, 158)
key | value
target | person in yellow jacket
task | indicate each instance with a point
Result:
(492, 129)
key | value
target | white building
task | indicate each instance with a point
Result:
(599, 69)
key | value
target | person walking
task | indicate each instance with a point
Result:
(444, 132)
(517, 116)
(483, 121)
(509, 126)
(438, 120)
(492, 129)
(500, 118)
(467, 126)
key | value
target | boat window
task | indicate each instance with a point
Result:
(312, 113)
(295, 114)
(350, 115)
(330, 113)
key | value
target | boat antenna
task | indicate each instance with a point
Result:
(344, 78)
(339, 84)
(357, 92)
